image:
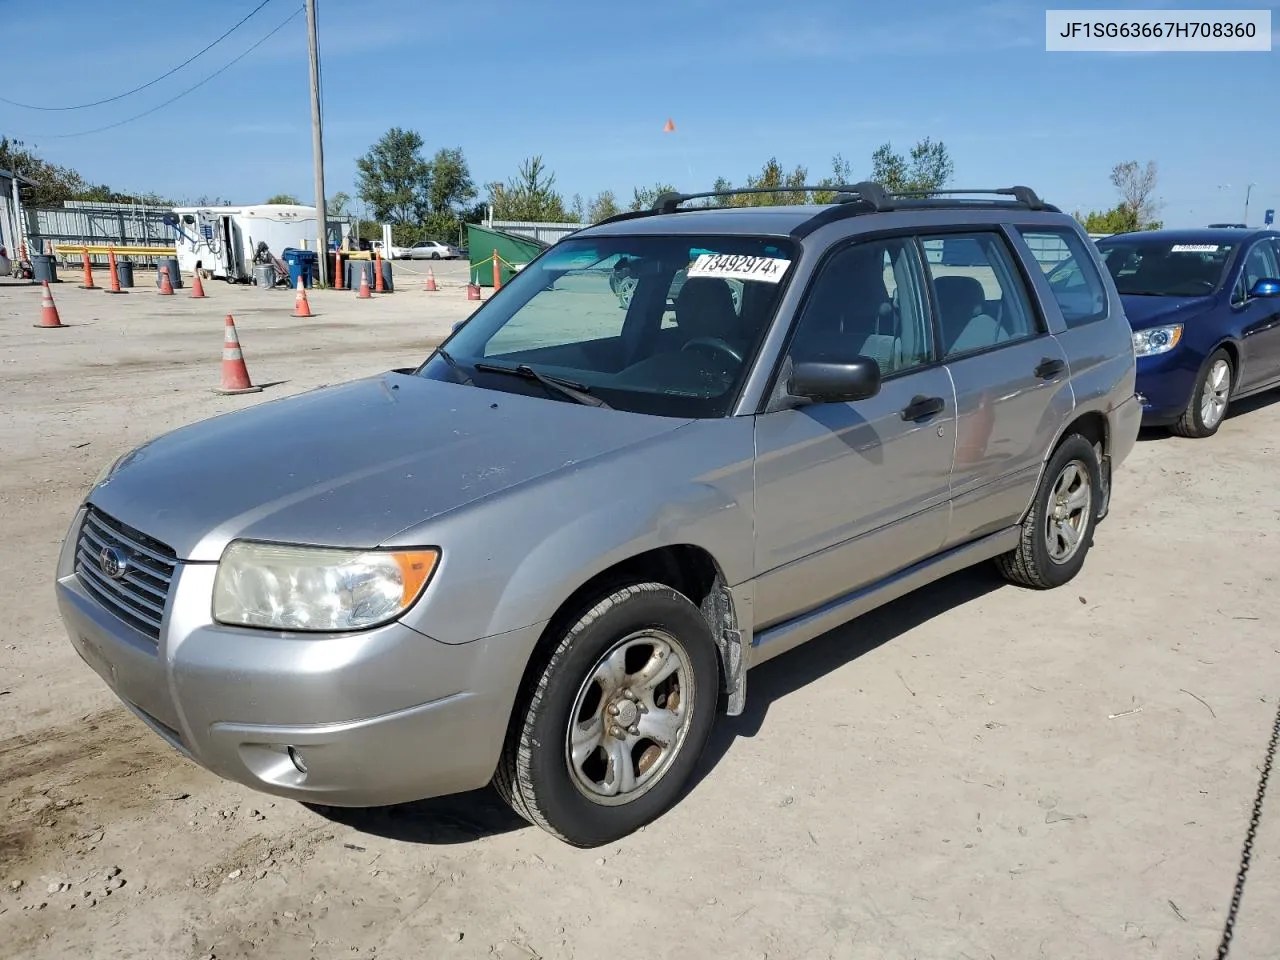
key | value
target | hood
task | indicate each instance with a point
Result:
(351, 465)
(1144, 312)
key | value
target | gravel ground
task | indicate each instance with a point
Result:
(976, 771)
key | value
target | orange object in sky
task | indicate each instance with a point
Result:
(670, 127)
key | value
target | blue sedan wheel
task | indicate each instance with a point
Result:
(1208, 406)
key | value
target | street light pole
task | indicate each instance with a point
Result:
(317, 146)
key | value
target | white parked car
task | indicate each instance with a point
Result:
(429, 250)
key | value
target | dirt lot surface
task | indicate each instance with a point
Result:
(976, 771)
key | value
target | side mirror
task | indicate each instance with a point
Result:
(1266, 287)
(835, 381)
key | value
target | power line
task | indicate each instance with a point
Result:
(191, 89)
(129, 93)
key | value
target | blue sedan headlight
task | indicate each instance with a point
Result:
(1156, 340)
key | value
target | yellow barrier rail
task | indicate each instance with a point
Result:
(67, 249)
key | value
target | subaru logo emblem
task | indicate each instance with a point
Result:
(114, 562)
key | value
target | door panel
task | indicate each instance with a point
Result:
(1008, 417)
(847, 493)
(1260, 343)
(1011, 378)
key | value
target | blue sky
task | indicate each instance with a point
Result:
(589, 85)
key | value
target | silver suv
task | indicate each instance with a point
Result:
(548, 557)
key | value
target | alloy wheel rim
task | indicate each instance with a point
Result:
(1217, 389)
(630, 718)
(1067, 518)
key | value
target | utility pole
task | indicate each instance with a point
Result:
(317, 145)
(1247, 193)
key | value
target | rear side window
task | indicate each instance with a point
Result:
(1073, 278)
(979, 295)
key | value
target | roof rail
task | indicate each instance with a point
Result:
(1024, 195)
(668, 202)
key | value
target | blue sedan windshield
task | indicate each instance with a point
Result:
(1161, 267)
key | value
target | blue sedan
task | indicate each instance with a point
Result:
(1204, 306)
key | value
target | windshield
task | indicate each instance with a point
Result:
(1145, 266)
(665, 325)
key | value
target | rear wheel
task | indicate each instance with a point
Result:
(1058, 530)
(1208, 406)
(611, 727)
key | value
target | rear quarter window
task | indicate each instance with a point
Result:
(1071, 273)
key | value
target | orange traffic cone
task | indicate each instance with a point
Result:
(115, 277)
(197, 288)
(301, 307)
(88, 271)
(379, 285)
(48, 312)
(166, 288)
(235, 375)
(364, 293)
(431, 282)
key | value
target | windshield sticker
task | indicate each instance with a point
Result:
(733, 266)
(1195, 248)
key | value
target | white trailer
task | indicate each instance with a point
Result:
(225, 240)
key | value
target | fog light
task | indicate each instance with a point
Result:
(296, 757)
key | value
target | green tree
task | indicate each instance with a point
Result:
(530, 195)
(1137, 187)
(336, 206)
(644, 197)
(282, 198)
(394, 179)
(451, 187)
(602, 206)
(1119, 219)
(841, 176)
(928, 167)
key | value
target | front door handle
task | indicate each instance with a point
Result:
(921, 407)
(1049, 367)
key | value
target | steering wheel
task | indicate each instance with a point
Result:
(715, 343)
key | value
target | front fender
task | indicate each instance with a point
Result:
(511, 559)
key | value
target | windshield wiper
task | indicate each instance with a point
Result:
(577, 392)
(443, 354)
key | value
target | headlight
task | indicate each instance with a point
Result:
(317, 588)
(1148, 343)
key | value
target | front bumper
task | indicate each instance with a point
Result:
(1165, 383)
(378, 717)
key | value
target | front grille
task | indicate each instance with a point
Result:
(137, 596)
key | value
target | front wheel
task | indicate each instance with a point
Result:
(609, 730)
(1208, 406)
(1058, 530)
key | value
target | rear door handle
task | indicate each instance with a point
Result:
(1049, 367)
(921, 407)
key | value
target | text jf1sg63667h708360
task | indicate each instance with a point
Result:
(1184, 31)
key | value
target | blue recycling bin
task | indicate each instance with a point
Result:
(303, 265)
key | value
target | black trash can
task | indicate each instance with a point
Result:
(44, 267)
(124, 273)
(175, 275)
(356, 269)
(386, 276)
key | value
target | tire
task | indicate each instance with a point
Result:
(1033, 563)
(435, 256)
(1208, 406)
(566, 793)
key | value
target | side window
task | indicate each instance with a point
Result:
(1071, 273)
(867, 299)
(1260, 264)
(981, 300)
